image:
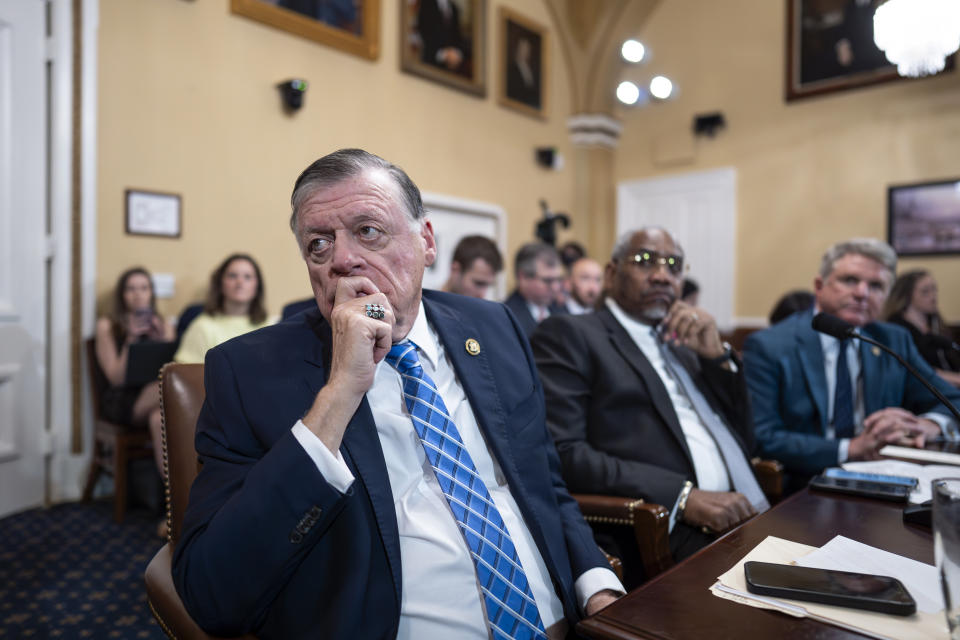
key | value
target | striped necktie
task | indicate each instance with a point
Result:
(510, 607)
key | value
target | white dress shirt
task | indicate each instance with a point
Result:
(576, 308)
(539, 313)
(707, 461)
(440, 594)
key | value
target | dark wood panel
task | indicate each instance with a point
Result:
(678, 603)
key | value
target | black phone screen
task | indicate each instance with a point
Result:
(843, 588)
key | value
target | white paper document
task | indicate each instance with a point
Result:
(844, 554)
(924, 473)
(943, 457)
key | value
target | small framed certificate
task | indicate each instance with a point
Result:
(152, 213)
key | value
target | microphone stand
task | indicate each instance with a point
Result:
(916, 374)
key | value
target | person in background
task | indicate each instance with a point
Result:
(539, 276)
(585, 284)
(570, 252)
(474, 267)
(912, 304)
(790, 303)
(645, 400)
(819, 401)
(133, 318)
(234, 306)
(690, 291)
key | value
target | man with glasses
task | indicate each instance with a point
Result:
(645, 400)
(818, 403)
(539, 275)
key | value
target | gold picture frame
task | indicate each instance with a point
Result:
(524, 64)
(356, 32)
(445, 41)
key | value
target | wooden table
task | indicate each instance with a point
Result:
(678, 603)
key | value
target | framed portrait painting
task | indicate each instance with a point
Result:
(923, 219)
(830, 47)
(523, 64)
(352, 26)
(444, 40)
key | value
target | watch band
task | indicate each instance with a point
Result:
(723, 357)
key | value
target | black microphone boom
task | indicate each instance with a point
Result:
(834, 326)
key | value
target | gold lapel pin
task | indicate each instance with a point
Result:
(875, 351)
(472, 346)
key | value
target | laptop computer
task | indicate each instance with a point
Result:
(145, 359)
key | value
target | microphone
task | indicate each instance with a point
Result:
(841, 329)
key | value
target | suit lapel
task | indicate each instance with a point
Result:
(810, 353)
(361, 450)
(873, 376)
(634, 357)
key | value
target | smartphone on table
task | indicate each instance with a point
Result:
(825, 586)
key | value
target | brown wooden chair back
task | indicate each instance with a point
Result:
(114, 445)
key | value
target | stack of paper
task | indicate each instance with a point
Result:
(924, 473)
(926, 455)
(921, 580)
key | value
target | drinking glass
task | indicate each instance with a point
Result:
(946, 547)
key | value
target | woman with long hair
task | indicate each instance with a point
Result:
(234, 306)
(133, 318)
(912, 304)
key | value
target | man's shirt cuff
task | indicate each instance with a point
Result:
(948, 425)
(593, 582)
(843, 450)
(331, 465)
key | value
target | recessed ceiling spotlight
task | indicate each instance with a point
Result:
(628, 92)
(633, 51)
(661, 87)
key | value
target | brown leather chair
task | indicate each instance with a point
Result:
(114, 445)
(649, 521)
(181, 396)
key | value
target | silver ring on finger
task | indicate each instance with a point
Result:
(695, 317)
(375, 311)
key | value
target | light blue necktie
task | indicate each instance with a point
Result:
(511, 609)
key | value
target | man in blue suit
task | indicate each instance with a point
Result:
(380, 467)
(818, 403)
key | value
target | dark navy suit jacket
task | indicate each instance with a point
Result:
(269, 547)
(788, 388)
(518, 305)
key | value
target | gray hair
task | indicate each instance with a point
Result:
(530, 254)
(868, 247)
(341, 165)
(622, 248)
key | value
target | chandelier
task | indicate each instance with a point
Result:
(917, 35)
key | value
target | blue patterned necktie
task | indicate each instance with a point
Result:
(843, 397)
(511, 609)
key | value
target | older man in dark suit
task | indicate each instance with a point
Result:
(379, 467)
(645, 400)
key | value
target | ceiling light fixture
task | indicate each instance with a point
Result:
(628, 92)
(917, 35)
(661, 88)
(633, 51)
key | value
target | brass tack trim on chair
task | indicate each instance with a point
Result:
(166, 463)
(611, 520)
(156, 616)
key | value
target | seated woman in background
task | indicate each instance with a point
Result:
(912, 304)
(234, 306)
(790, 303)
(133, 317)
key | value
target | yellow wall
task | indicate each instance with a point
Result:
(187, 104)
(809, 172)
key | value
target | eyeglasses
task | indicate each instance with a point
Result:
(649, 260)
(550, 281)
